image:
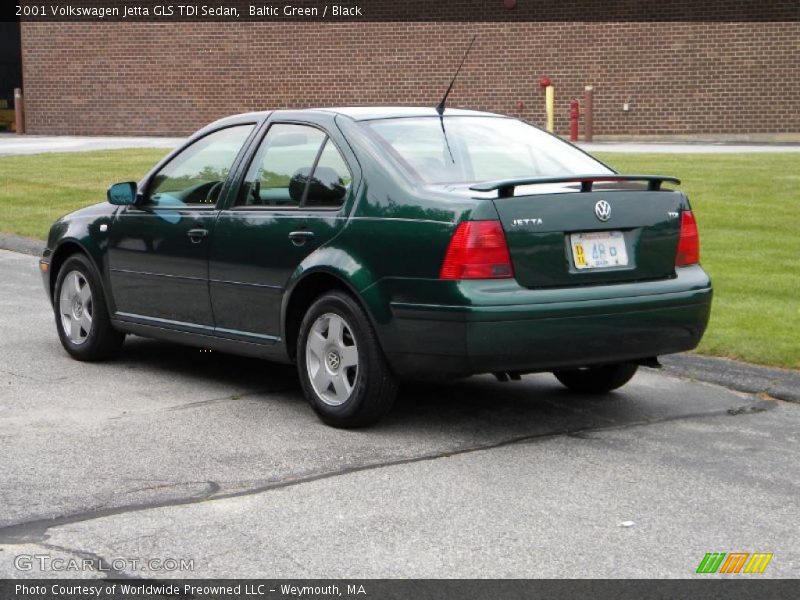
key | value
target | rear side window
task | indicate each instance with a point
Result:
(195, 176)
(296, 166)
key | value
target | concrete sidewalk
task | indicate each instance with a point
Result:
(11, 144)
(687, 148)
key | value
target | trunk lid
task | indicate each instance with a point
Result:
(544, 232)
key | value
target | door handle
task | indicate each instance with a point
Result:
(301, 237)
(197, 235)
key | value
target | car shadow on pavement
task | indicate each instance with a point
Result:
(537, 401)
(201, 364)
(535, 405)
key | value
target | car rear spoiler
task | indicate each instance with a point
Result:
(505, 187)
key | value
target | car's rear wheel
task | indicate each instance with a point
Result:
(342, 368)
(597, 380)
(82, 321)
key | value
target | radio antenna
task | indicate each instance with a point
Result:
(440, 106)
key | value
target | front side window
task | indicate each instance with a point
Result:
(461, 149)
(196, 175)
(296, 166)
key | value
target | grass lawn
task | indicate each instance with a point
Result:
(35, 190)
(747, 207)
(748, 211)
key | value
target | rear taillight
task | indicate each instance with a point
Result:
(689, 241)
(477, 250)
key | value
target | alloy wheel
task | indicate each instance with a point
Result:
(75, 307)
(332, 359)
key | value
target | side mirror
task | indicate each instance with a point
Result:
(122, 194)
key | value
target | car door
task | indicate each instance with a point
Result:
(158, 248)
(292, 200)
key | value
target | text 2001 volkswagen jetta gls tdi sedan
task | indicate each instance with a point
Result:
(369, 245)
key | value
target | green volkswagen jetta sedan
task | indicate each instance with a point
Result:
(372, 245)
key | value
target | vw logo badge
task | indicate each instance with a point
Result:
(603, 210)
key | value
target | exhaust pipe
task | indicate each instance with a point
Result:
(504, 376)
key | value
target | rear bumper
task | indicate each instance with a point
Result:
(552, 329)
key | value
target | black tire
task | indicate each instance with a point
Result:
(372, 385)
(102, 341)
(597, 380)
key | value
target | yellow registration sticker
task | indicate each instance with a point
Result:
(580, 255)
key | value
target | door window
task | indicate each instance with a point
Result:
(296, 166)
(195, 176)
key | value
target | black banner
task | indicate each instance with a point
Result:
(733, 588)
(401, 10)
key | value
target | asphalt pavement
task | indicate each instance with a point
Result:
(215, 460)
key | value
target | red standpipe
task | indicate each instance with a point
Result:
(574, 117)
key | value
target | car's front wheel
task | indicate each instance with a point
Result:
(81, 316)
(341, 365)
(597, 380)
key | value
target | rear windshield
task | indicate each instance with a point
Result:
(471, 149)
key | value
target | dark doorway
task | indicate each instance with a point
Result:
(10, 70)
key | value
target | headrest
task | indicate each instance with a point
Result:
(326, 188)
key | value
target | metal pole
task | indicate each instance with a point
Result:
(550, 106)
(574, 117)
(588, 112)
(19, 107)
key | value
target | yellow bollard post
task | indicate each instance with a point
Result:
(550, 106)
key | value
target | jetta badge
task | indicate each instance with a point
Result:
(603, 210)
(521, 222)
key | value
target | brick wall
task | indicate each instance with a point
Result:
(171, 78)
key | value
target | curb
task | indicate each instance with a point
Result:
(783, 384)
(24, 245)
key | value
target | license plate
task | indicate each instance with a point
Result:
(599, 250)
